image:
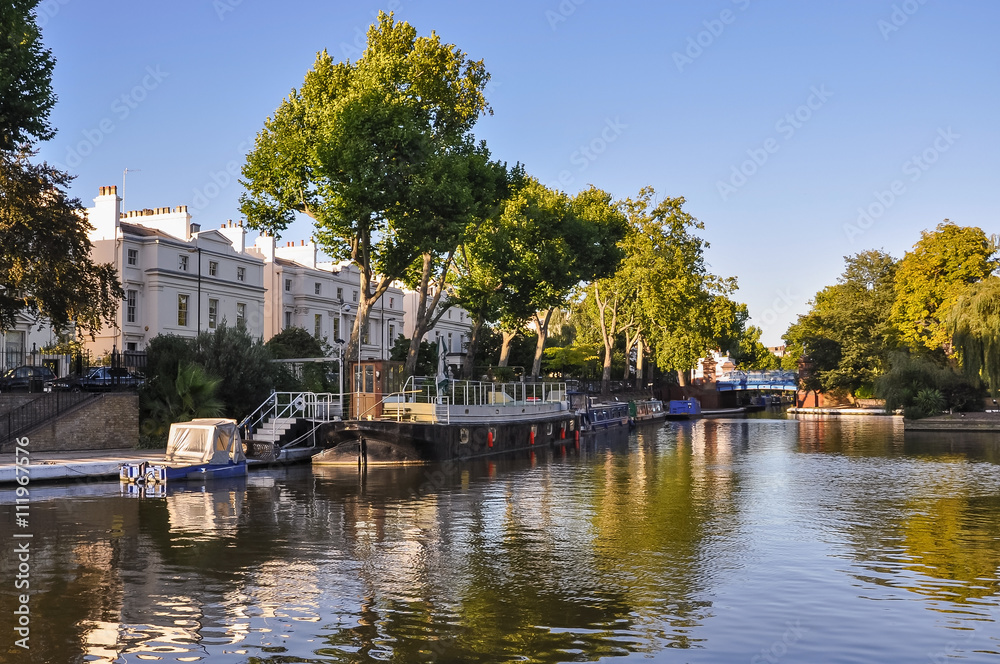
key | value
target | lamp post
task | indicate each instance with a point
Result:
(340, 373)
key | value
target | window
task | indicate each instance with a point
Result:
(340, 294)
(131, 346)
(182, 262)
(392, 302)
(392, 335)
(364, 333)
(182, 310)
(130, 302)
(449, 314)
(355, 296)
(213, 313)
(288, 284)
(318, 325)
(336, 327)
(241, 313)
(133, 256)
(213, 268)
(318, 288)
(450, 347)
(461, 315)
(241, 274)
(288, 319)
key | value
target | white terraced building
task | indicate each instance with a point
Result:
(178, 279)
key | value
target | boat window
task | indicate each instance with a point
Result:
(369, 379)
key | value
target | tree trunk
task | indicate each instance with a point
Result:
(682, 378)
(470, 353)
(425, 310)
(508, 339)
(543, 331)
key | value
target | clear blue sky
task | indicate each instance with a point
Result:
(822, 106)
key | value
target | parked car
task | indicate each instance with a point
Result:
(99, 379)
(26, 378)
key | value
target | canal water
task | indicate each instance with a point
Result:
(759, 540)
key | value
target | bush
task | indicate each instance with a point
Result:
(923, 387)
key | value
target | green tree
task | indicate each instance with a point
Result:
(974, 323)
(848, 333)
(26, 96)
(924, 385)
(370, 151)
(297, 343)
(192, 394)
(933, 275)
(242, 363)
(676, 294)
(45, 267)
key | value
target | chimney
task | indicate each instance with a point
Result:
(105, 214)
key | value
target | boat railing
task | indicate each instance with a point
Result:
(478, 393)
(314, 406)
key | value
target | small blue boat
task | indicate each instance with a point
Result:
(202, 449)
(684, 409)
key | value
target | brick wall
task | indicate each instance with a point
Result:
(10, 401)
(108, 422)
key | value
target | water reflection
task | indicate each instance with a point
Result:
(710, 536)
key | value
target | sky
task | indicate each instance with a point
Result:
(798, 132)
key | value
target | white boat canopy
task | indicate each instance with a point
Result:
(205, 440)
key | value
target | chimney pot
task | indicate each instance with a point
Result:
(113, 189)
(303, 243)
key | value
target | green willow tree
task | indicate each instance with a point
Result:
(932, 276)
(45, 267)
(375, 152)
(974, 323)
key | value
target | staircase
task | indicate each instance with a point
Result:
(287, 419)
(442, 415)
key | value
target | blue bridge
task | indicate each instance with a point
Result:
(770, 381)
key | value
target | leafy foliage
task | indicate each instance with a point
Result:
(26, 96)
(192, 393)
(848, 333)
(931, 278)
(376, 152)
(45, 265)
(974, 322)
(913, 380)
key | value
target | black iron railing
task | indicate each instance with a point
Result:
(46, 407)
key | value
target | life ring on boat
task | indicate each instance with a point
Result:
(489, 438)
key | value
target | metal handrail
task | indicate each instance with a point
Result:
(47, 406)
(292, 404)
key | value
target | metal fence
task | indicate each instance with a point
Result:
(26, 417)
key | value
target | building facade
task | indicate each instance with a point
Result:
(322, 298)
(178, 279)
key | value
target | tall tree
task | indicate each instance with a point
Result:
(478, 188)
(676, 292)
(372, 152)
(974, 322)
(933, 275)
(848, 333)
(45, 267)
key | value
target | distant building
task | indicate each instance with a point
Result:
(322, 298)
(722, 363)
(24, 343)
(777, 350)
(178, 279)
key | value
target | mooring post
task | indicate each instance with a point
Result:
(362, 452)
